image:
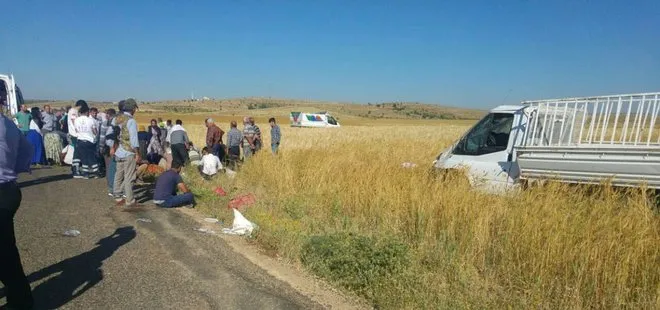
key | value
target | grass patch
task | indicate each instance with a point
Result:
(359, 263)
(339, 203)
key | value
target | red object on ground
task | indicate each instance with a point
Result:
(240, 201)
(220, 192)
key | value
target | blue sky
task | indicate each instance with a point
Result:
(458, 53)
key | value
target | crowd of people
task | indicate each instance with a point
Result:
(110, 144)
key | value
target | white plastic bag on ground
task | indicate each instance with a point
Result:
(240, 227)
(230, 173)
(68, 158)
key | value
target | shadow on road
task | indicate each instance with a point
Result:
(73, 276)
(52, 178)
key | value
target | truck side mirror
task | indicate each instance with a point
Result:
(510, 157)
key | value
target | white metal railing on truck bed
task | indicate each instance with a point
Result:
(614, 121)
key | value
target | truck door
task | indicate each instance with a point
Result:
(485, 152)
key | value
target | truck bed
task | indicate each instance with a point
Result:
(612, 139)
(620, 165)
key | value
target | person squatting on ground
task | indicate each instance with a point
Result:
(177, 137)
(249, 139)
(15, 156)
(214, 139)
(275, 135)
(126, 153)
(167, 184)
(210, 164)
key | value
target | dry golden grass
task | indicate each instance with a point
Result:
(552, 247)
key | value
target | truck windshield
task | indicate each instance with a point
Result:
(490, 135)
(332, 121)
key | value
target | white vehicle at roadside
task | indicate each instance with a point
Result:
(10, 93)
(318, 120)
(587, 140)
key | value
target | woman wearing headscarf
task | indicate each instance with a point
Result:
(155, 148)
(35, 138)
(85, 156)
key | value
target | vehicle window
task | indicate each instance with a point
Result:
(19, 96)
(3, 93)
(332, 121)
(490, 135)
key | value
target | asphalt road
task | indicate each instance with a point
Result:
(118, 262)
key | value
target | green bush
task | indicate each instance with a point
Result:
(359, 263)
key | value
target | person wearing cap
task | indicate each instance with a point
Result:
(214, 139)
(126, 153)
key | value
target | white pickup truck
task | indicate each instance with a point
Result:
(10, 94)
(587, 140)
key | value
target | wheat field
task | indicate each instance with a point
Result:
(338, 203)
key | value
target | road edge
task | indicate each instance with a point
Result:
(314, 288)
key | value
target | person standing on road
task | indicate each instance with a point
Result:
(35, 138)
(126, 152)
(167, 184)
(85, 157)
(275, 135)
(248, 138)
(64, 122)
(48, 119)
(23, 117)
(177, 137)
(71, 116)
(214, 139)
(15, 156)
(107, 131)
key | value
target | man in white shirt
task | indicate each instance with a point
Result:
(210, 164)
(71, 116)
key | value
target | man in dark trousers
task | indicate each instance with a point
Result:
(177, 137)
(15, 155)
(214, 139)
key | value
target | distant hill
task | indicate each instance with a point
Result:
(258, 105)
(394, 110)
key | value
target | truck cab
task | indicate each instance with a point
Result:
(487, 150)
(612, 139)
(10, 93)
